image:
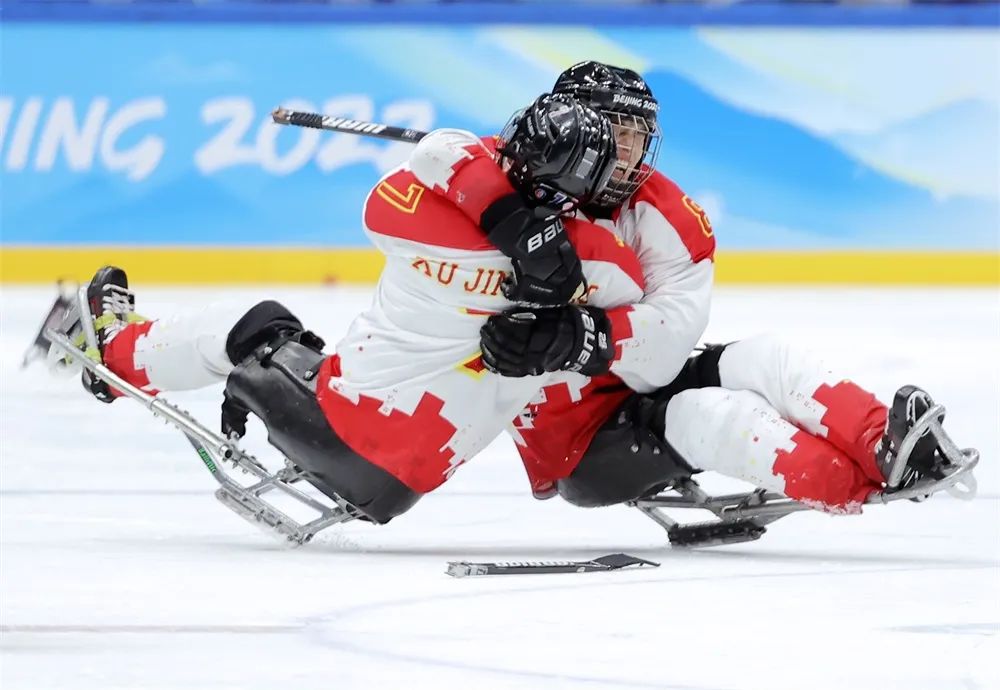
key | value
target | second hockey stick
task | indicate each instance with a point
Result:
(345, 125)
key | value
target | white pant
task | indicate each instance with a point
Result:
(188, 351)
(783, 421)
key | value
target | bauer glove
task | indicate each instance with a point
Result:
(529, 342)
(547, 271)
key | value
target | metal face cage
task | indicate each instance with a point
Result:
(638, 147)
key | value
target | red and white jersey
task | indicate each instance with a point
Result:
(673, 242)
(407, 389)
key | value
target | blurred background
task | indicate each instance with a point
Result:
(852, 142)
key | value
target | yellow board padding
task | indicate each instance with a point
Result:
(193, 265)
(306, 266)
(858, 268)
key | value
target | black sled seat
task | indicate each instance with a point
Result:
(278, 385)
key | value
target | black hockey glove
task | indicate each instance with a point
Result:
(547, 271)
(234, 417)
(528, 342)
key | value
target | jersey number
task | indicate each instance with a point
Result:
(405, 202)
(699, 213)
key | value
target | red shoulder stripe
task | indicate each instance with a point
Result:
(401, 207)
(476, 184)
(682, 212)
(595, 243)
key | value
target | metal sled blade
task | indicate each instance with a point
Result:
(741, 517)
(214, 450)
(254, 510)
(715, 533)
(247, 501)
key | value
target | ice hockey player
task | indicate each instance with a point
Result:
(407, 397)
(405, 400)
(623, 418)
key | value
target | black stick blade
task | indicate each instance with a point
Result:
(54, 319)
(614, 561)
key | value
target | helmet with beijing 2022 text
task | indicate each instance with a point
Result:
(625, 98)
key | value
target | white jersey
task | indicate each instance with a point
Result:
(407, 388)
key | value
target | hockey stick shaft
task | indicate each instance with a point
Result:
(191, 428)
(345, 125)
(213, 449)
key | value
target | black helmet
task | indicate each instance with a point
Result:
(560, 152)
(624, 97)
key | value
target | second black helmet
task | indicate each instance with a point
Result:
(558, 152)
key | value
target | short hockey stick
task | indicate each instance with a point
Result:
(345, 125)
(613, 561)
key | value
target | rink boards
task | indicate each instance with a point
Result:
(238, 265)
(822, 154)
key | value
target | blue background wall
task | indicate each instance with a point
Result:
(791, 137)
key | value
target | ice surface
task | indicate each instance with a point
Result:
(120, 570)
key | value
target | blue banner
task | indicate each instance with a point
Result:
(806, 138)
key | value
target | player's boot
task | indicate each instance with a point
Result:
(908, 450)
(112, 308)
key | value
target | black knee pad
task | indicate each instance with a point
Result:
(262, 324)
(279, 387)
(699, 371)
(627, 459)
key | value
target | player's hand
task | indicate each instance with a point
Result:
(529, 342)
(234, 418)
(547, 270)
(547, 280)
